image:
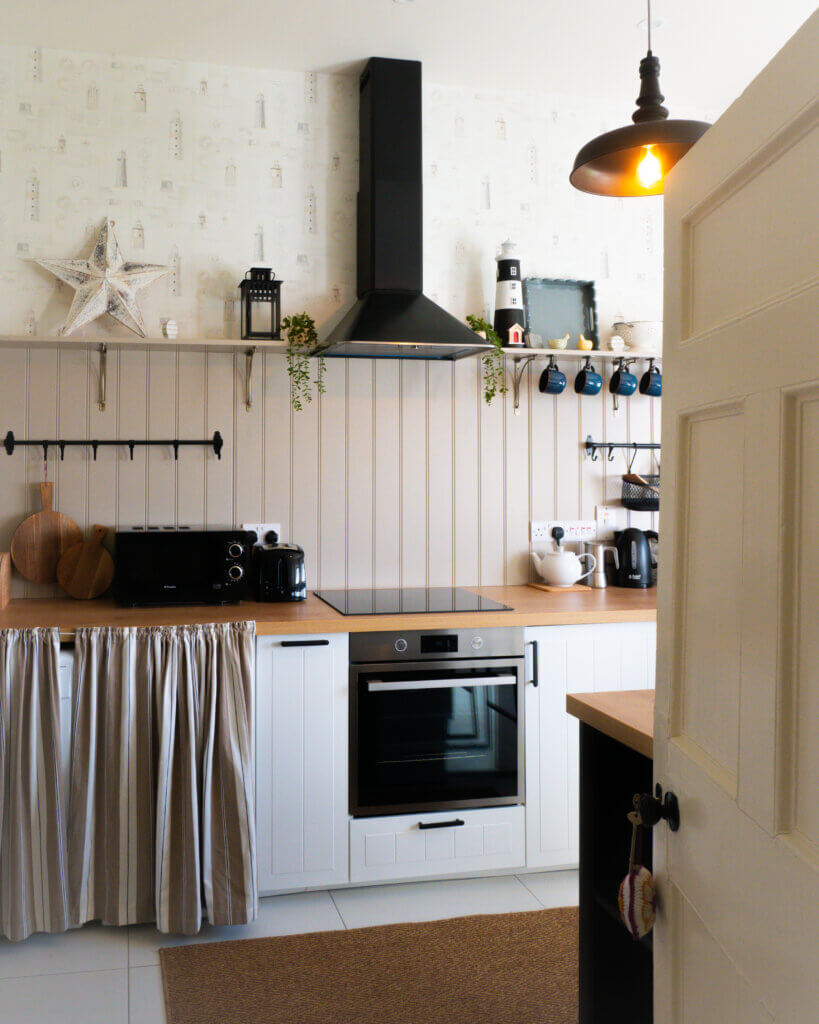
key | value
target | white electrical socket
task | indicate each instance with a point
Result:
(574, 530)
(609, 519)
(262, 529)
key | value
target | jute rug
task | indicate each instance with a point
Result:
(494, 969)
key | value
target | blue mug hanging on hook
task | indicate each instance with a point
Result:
(623, 382)
(552, 380)
(588, 381)
(651, 383)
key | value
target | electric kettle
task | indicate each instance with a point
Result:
(633, 558)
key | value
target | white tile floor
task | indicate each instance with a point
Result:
(111, 975)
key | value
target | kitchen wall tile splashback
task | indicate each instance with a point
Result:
(400, 474)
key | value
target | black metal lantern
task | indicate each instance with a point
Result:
(261, 305)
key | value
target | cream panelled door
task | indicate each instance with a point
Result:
(737, 720)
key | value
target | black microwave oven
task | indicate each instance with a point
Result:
(163, 565)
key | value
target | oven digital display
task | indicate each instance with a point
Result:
(432, 644)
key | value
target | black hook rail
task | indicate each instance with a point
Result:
(10, 443)
(592, 447)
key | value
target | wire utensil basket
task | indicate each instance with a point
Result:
(641, 493)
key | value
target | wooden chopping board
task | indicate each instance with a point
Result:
(576, 587)
(40, 540)
(5, 578)
(86, 569)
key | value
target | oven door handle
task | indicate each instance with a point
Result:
(381, 685)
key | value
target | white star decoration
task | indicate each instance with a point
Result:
(104, 283)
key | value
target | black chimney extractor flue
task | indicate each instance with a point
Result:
(392, 317)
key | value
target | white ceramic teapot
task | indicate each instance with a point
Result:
(559, 567)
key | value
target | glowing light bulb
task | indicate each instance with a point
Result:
(649, 170)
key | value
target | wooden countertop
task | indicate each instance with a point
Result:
(625, 715)
(530, 608)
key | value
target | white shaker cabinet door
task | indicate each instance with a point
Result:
(301, 761)
(571, 659)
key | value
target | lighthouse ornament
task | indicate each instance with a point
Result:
(509, 319)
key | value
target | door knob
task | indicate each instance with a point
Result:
(654, 808)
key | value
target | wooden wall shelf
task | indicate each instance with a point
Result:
(522, 356)
(104, 344)
(114, 342)
(575, 353)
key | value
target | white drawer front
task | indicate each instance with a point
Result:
(390, 848)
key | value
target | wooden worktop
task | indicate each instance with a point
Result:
(530, 608)
(625, 715)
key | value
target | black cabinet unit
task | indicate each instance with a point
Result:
(616, 983)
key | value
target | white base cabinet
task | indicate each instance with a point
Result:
(395, 848)
(301, 761)
(571, 659)
(304, 835)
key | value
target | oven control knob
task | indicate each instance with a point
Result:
(235, 550)
(400, 645)
(477, 643)
(235, 572)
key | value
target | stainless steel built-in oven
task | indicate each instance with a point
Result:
(436, 720)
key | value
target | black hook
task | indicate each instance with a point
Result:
(8, 443)
(94, 446)
(131, 445)
(45, 451)
(176, 450)
(610, 456)
(217, 444)
(62, 450)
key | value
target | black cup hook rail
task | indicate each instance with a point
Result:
(592, 447)
(10, 443)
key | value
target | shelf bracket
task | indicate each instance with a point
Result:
(517, 377)
(103, 351)
(249, 354)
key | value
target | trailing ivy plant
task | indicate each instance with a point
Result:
(302, 338)
(494, 369)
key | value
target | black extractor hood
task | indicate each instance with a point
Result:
(392, 317)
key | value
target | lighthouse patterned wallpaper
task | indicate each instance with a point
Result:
(210, 170)
(400, 474)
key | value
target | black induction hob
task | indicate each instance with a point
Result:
(408, 601)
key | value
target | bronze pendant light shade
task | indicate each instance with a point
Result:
(633, 161)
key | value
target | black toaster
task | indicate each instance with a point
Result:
(279, 573)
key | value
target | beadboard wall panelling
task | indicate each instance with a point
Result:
(399, 474)
(386, 468)
(466, 505)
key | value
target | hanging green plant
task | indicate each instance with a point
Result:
(302, 338)
(494, 366)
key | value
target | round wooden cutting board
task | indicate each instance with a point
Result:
(41, 539)
(86, 569)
